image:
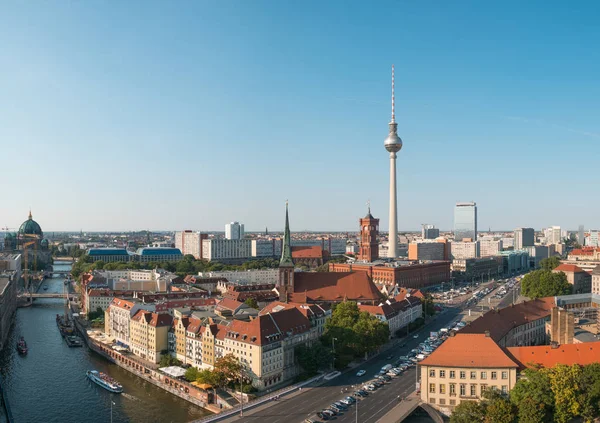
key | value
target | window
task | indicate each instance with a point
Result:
(505, 375)
(452, 374)
(504, 389)
(463, 389)
(442, 401)
(473, 375)
(442, 373)
(452, 389)
(431, 373)
(483, 388)
(432, 400)
(452, 402)
(442, 388)
(473, 390)
(494, 375)
(432, 388)
(463, 374)
(484, 375)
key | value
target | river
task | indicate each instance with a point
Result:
(49, 383)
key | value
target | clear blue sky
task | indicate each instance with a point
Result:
(189, 114)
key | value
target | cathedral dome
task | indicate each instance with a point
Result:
(30, 227)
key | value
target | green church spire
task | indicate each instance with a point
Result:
(286, 251)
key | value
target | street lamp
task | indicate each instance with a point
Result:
(333, 355)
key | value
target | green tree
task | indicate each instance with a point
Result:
(322, 268)
(228, 368)
(550, 263)
(498, 409)
(468, 412)
(251, 302)
(207, 376)
(168, 360)
(545, 283)
(563, 382)
(313, 358)
(428, 305)
(533, 396)
(191, 374)
(370, 332)
(589, 386)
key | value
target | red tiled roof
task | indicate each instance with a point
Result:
(586, 251)
(121, 303)
(268, 328)
(547, 356)
(470, 351)
(568, 268)
(195, 325)
(229, 304)
(307, 252)
(308, 310)
(334, 287)
(500, 322)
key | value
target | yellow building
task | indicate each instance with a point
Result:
(149, 334)
(462, 368)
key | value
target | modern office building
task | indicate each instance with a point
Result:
(581, 236)
(108, 254)
(234, 230)
(227, 250)
(465, 221)
(593, 239)
(429, 232)
(158, 254)
(553, 235)
(190, 242)
(426, 250)
(464, 250)
(471, 268)
(489, 247)
(524, 237)
(516, 261)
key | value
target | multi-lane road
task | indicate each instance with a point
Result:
(296, 408)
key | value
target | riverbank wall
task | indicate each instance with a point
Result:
(5, 404)
(176, 387)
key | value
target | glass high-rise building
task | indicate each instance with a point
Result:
(465, 221)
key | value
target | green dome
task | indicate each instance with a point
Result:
(30, 227)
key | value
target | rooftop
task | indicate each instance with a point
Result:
(108, 251)
(334, 287)
(158, 251)
(470, 351)
(571, 268)
(551, 355)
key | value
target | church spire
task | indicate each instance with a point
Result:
(286, 250)
(30, 216)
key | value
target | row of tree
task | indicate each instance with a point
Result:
(559, 394)
(227, 371)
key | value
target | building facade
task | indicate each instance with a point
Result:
(369, 245)
(148, 334)
(578, 278)
(108, 254)
(8, 304)
(158, 254)
(426, 250)
(190, 242)
(464, 250)
(429, 232)
(489, 247)
(465, 221)
(226, 250)
(524, 237)
(234, 230)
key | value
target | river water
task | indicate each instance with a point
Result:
(49, 383)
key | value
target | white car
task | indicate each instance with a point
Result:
(361, 373)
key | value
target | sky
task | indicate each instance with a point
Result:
(191, 114)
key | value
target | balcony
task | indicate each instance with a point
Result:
(468, 397)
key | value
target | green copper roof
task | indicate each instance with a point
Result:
(30, 227)
(286, 251)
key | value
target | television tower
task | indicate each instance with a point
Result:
(393, 144)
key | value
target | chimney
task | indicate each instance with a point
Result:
(487, 333)
(554, 345)
(452, 333)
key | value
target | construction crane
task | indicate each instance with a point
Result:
(26, 277)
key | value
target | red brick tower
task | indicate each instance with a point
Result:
(369, 246)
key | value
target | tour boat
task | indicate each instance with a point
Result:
(22, 346)
(105, 381)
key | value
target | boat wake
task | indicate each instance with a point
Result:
(130, 397)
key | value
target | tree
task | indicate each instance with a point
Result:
(498, 409)
(228, 367)
(168, 360)
(589, 386)
(191, 374)
(533, 396)
(251, 302)
(207, 376)
(563, 382)
(468, 412)
(531, 411)
(322, 268)
(545, 283)
(428, 305)
(313, 358)
(550, 263)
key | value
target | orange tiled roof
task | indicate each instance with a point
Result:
(269, 328)
(121, 303)
(568, 268)
(308, 310)
(307, 252)
(334, 287)
(500, 322)
(229, 304)
(547, 356)
(470, 351)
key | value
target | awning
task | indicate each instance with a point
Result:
(173, 371)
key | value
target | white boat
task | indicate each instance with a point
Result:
(105, 381)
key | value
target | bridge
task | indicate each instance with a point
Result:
(72, 296)
(60, 272)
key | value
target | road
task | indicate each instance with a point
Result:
(296, 408)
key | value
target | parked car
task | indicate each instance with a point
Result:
(351, 399)
(416, 335)
(361, 393)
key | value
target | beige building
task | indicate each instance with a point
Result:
(579, 278)
(463, 368)
(426, 250)
(464, 250)
(596, 280)
(489, 247)
(117, 318)
(148, 334)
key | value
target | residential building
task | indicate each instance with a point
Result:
(429, 232)
(585, 254)
(259, 276)
(524, 237)
(463, 368)
(158, 254)
(490, 247)
(117, 318)
(426, 250)
(537, 253)
(407, 274)
(578, 278)
(397, 314)
(109, 254)
(234, 230)
(11, 262)
(189, 242)
(465, 222)
(596, 280)
(8, 304)
(317, 314)
(464, 249)
(508, 243)
(155, 280)
(593, 240)
(553, 235)
(226, 250)
(515, 325)
(148, 334)
(100, 298)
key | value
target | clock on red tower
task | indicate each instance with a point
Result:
(369, 246)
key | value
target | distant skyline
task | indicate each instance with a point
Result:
(189, 115)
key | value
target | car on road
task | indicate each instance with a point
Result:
(361, 373)
(345, 401)
(323, 416)
(361, 393)
(416, 335)
(340, 405)
(328, 413)
(389, 357)
(351, 399)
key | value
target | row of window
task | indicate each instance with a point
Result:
(441, 389)
(463, 374)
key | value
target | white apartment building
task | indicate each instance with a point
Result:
(117, 318)
(465, 250)
(190, 242)
(234, 230)
(259, 276)
(553, 235)
(155, 280)
(226, 249)
(11, 262)
(489, 247)
(596, 280)
(98, 298)
(593, 240)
